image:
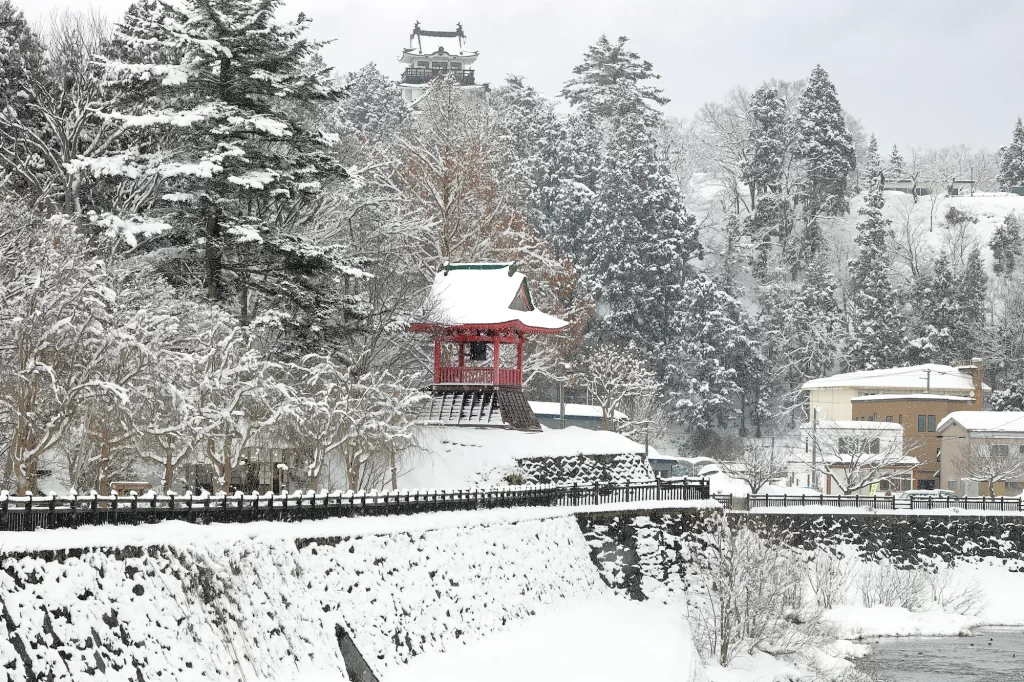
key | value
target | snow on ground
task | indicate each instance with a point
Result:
(998, 599)
(606, 639)
(991, 208)
(894, 621)
(455, 457)
(183, 534)
(759, 667)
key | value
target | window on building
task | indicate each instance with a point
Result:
(874, 446)
(1000, 450)
(888, 418)
(901, 420)
(456, 66)
(922, 423)
(931, 423)
(422, 65)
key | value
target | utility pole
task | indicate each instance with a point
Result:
(561, 405)
(814, 447)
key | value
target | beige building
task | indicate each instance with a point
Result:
(917, 398)
(995, 436)
(919, 414)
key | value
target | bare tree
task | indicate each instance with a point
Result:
(758, 462)
(750, 594)
(857, 458)
(615, 376)
(992, 463)
(361, 420)
(910, 242)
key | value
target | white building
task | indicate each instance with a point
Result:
(842, 451)
(831, 398)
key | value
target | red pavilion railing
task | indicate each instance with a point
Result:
(478, 376)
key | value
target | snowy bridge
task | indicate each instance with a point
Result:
(27, 513)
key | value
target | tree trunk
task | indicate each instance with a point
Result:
(168, 470)
(226, 472)
(243, 299)
(214, 257)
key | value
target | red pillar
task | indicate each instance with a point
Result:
(437, 360)
(519, 361)
(497, 359)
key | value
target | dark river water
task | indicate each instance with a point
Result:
(991, 655)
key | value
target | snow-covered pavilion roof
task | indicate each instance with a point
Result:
(985, 421)
(483, 294)
(917, 378)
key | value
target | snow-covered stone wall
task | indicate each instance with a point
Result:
(274, 601)
(586, 469)
(906, 538)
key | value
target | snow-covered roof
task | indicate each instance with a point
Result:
(985, 421)
(848, 425)
(911, 396)
(916, 378)
(484, 294)
(546, 409)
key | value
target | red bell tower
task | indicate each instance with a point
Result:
(479, 315)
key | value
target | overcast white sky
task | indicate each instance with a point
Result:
(930, 72)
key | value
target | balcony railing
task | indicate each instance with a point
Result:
(478, 376)
(415, 76)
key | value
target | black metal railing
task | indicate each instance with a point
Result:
(416, 76)
(1003, 504)
(30, 513)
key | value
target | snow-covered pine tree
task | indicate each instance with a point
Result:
(803, 332)
(21, 60)
(638, 242)
(527, 132)
(219, 95)
(373, 109)
(876, 318)
(568, 190)
(896, 166)
(826, 146)
(611, 83)
(715, 363)
(762, 170)
(1007, 244)
(953, 305)
(873, 162)
(771, 226)
(1011, 160)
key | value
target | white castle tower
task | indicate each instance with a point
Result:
(432, 54)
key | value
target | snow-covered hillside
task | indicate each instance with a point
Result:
(271, 602)
(925, 219)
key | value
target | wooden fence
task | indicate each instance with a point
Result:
(36, 513)
(1003, 504)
